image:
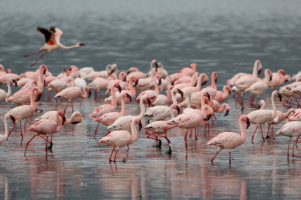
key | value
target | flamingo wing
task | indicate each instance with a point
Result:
(48, 34)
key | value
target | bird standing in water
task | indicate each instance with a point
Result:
(52, 42)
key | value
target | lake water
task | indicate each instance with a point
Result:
(222, 36)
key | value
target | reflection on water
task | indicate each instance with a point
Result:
(226, 37)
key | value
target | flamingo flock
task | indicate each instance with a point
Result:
(165, 102)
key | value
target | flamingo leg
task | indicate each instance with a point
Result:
(262, 133)
(254, 134)
(33, 53)
(168, 141)
(95, 132)
(110, 160)
(66, 107)
(185, 139)
(230, 157)
(39, 59)
(115, 155)
(12, 129)
(288, 146)
(214, 156)
(21, 133)
(28, 144)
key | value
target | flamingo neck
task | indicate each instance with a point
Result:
(213, 84)
(142, 107)
(255, 68)
(273, 104)
(68, 47)
(33, 104)
(84, 94)
(5, 127)
(132, 88)
(59, 122)
(243, 130)
(198, 86)
(134, 134)
(113, 100)
(123, 108)
(8, 89)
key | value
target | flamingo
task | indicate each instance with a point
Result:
(109, 118)
(278, 79)
(105, 108)
(46, 127)
(121, 138)
(52, 42)
(151, 94)
(281, 116)
(3, 94)
(246, 81)
(191, 120)
(158, 113)
(189, 71)
(295, 117)
(258, 88)
(4, 137)
(262, 116)
(211, 90)
(22, 96)
(75, 118)
(291, 130)
(230, 140)
(157, 128)
(222, 96)
(124, 122)
(24, 111)
(71, 93)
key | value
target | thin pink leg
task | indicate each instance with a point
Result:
(66, 106)
(39, 59)
(95, 132)
(288, 146)
(185, 139)
(254, 134)
(230, 157)
(28, 144)
(110, 160)
(262, 133)
(34, 53)
(214, 156)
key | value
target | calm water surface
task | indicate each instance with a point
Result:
(226, 37)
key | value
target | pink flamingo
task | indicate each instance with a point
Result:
(219, 108)
(190, 120)
(262, 116)
(291, 130)
(22, 96)
(24, 111)
(202, 80)
(59, 84)
(191, 83)
(4, 137)
(258, 88)
(121, 138)
(46, 127)
(247, 80)
(151, 94)
(109, 118)
(131, 92)
(221, 96)
(189, 71)
(105, 108)
(157, 128)
(230, 140)
(52, 42)
(158, 113)
(5, 77)
(295, 117)
(111, 69)
(281, 116)
(231, 81)
(3, 94)
(124, 122)
(75, 118)
(72, 93)
(278, 79)
(211, 90)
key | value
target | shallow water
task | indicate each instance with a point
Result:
(226, 37)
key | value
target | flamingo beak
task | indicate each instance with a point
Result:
(248, 123)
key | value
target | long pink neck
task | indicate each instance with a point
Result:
(59, 122)
(213, 77)
(243, 129)
(134, 134)
(84, 94)
(123, 108)
(33, 104)
(41, 77)
(113, 101)
(198, 86)
(132, 88)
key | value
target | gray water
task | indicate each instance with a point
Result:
(222, 36)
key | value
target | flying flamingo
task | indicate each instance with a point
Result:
(105, 108)
(4, 137)
(72, 93)
(52, 42)
(46, 127)
(3, 94)
(109, 118)
(262, 116)
(121, 138)
(230, 140)
(24, 111)
(291, 130)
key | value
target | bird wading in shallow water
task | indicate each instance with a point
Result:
(52, 42)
